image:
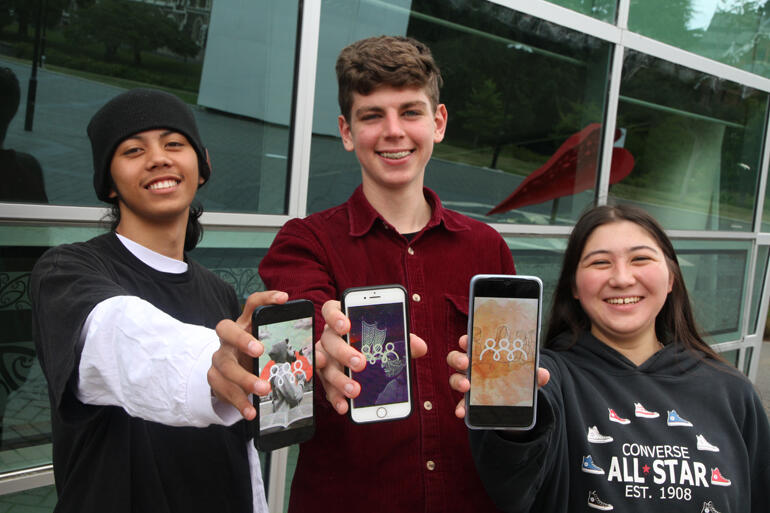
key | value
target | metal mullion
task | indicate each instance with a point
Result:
(27, 479)
(303, 115)
(610, 122)
(526, 230)
(624, 6)
(565, 17)
(693, 61)
(760, 204)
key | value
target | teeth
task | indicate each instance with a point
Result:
(623, 300)
(163, 184)
(395, 155)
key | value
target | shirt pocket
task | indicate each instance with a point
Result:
(456, 319)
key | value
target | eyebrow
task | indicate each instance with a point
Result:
(403, 106)
(140, 137)
(631, 249)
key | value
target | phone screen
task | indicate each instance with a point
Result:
(503, 331)
(378, 332)
(503, 360)
(286, 413)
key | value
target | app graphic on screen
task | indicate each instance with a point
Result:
(289, 347)
(378, 332)
(503, 360)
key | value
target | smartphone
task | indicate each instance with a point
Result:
(503, 334)
(285, 416)
(379, 328)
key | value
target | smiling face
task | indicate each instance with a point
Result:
(155, 177)
(622, 281)
(393, 130)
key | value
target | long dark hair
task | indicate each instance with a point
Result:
(193, 232)
(675, 321)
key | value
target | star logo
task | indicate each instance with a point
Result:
(646, 469)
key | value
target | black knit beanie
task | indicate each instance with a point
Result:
(132, 112)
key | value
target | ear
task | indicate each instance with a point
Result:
(112, 194)
(440, 120)
(345, 133)
(670, 281)
(202, 180)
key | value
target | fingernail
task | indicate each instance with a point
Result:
(253, 347)
(349, 389)
(355, 362)
(340, 406)
(339, 325)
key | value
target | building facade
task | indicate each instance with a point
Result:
(658, 103)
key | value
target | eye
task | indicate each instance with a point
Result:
(131, 151)
(641, 258)
(412, 113)
(600, 262)
(369, 116)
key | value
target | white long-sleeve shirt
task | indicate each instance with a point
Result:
(153, 366)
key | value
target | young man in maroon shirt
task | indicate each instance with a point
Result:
(391, 230)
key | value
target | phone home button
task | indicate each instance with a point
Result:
(381, 412)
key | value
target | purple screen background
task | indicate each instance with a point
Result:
(373, 379)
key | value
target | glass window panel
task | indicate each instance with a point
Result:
(36, 500)
(25, 428)
(759, 283)
(696, 141)
(715, 273)
(516, 89)
(731, 357)
(734, 32)
(233, 62)
(541, 257)
(747, 360)
(600, 9)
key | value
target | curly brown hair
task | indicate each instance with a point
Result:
(394, 61)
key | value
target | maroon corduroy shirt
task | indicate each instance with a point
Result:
(422, 463)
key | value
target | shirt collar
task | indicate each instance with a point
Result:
(362, 214)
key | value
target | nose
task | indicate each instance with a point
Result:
(157, 156)
(393, 128)
(622, 276)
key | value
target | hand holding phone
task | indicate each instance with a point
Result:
(285, 416)
(503, 334)
(379, 330)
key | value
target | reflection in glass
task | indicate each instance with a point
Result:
(734, 32)
(715, 273)
(759, 282)
(541, 257)
(731, 357)
(697, 143)
(601, 9)
(749, 354)
(516, 89)
(233, 63)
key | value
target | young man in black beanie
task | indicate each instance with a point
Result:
(125, 332)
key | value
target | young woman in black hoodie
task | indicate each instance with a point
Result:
(635, 411)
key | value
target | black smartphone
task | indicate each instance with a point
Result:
(379, 328)
(503, 334)
(285, 416)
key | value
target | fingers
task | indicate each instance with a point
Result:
(460, 409)
(334, 317)
(267, 297)
(233, 335)
(457, 360)
(463, 341)
(417, 346)
(340, 351)
(542, 376)
(332, 355)
(227, 391)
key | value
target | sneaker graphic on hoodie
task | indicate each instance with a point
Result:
(641, 411)
(708, 507)
(597, 438)
(614, 417)
(717, 479)
(704, 445)
(589, 466)
(675, 420)
(595, 502)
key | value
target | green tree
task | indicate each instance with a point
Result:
(138, 26)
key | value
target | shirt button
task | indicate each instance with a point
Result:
(430, 465)
(416, 297)
(428, 405)
(410, 250)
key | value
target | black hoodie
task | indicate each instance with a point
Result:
(678, 433)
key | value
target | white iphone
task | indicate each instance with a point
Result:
(379, 329)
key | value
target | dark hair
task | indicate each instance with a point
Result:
(394, 61)
(675, 321)
(10, 92)
(193, 232)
